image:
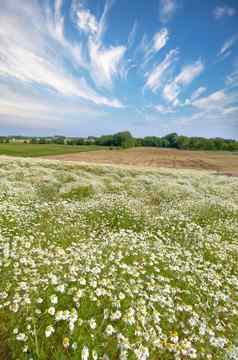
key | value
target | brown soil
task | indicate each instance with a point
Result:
(155, 157)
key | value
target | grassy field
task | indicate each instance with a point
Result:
(34, 150)
(102, 262)
(226, 162)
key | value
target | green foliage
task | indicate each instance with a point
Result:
(79, 193)
(124, 140)
(105, 140)
(190, 143)
(34, 150)
(151, 141)
(172, 140)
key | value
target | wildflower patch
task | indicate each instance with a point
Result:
(145, 269)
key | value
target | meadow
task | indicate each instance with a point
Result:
(35, 150)
(112, 262)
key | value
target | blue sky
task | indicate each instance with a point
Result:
(94, 67)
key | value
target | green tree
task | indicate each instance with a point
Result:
(172, 140)
(123, 139)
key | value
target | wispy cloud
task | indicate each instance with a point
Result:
(103, 20)
(228, 45)
(105, 62)
(29, 53)
(60, 59)
(158, 42)
(172, 90)
(197, 93)
(221, 102)
(154, 79)
(86, 21)
(54, 23)
(232, 79)
(59, 20)
(223, 11)
(219, 109)
(194, 96)
(167, 9)
(160, 39)
(214, 100)
(212, 115)
(132, 35)
(189, 73)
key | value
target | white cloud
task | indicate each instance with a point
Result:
(232, 79)
(215, 100)
(58, 7)
(197, 93)
(152, 47)
(105, 62)
(231, 110)
(167, 9)
(33, 55)
(53, 24)
(41, 71)
(59, 20)
(102, 26)
(222, 11)
(154, 79)
(172, 90)
(221, 101)
(217, 109)
(212, 115)
(228, 45)
(160, 39)
(87, 22)
(189, 73)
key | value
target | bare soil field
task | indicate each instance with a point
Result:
(156, 157)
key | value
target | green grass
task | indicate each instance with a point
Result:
(34, 150)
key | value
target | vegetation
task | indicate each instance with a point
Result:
(99, 262)
(122, 139)
(126, 140)
(169, 141)
(34, 150)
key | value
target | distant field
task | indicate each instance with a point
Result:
(225, 162)
(34, 150)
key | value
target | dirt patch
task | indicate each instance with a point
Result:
(224, 162)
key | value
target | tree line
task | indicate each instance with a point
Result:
(126, 140)
(173, 140)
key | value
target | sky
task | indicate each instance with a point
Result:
(93, 67)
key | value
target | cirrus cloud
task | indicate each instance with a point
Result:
(172, 90)
(154, 80)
